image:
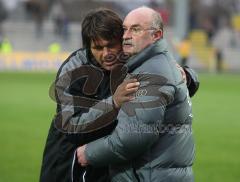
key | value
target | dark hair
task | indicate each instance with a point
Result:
(101, 23)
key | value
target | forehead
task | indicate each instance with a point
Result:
(102, 42)
(137, 19)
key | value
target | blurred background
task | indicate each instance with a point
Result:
(36, 36)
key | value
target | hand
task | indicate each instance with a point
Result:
(81, 156)
(124, 92)
(182, 72)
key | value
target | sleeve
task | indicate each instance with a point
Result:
(192, 80)
(138, 124)
(83, 127)
(80, 116)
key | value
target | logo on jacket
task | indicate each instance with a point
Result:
(141, 93)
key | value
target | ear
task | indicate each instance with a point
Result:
(157, 35)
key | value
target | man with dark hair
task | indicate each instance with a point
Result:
(85, 74)
(153, 138)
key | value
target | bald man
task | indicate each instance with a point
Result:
(153, 139)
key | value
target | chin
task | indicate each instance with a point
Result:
(129, 52)
(108, 68)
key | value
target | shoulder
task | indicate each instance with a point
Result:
(75, 60)
(162, 65)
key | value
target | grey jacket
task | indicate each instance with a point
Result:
(153, 139)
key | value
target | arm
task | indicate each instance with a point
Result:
(136, 130)
(83, 117)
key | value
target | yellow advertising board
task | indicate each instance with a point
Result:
(236, 22)
(32, 61)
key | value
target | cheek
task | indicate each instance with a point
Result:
(142, 42)
(138, 44)
(93, 52)
(117, 49)
(97, 55)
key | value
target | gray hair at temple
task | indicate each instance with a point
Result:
(157, 21)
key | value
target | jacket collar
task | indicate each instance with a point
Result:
(159, 47)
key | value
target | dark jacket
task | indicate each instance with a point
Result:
(59, 149)
(153, 139)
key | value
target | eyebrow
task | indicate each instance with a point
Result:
(134, 25)
(111, 43)
(97, 45)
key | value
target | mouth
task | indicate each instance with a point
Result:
(109, 62)
(127, 45)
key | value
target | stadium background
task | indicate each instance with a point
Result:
(37, 35)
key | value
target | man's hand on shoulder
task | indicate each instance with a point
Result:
(124, 92)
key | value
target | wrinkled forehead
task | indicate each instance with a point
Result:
(137, 19)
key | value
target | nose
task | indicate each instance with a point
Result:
(106, 52)
(127, 34)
